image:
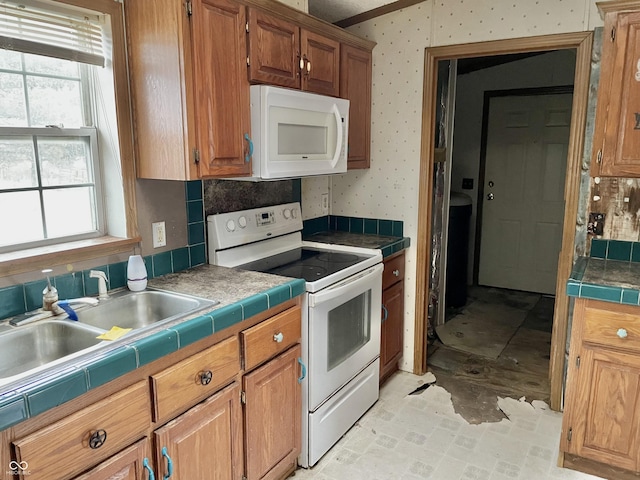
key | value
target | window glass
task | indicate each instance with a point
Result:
(17, 163)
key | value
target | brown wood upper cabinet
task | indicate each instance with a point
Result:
(281, 53)
(616, 138)
(355, 86)
(190, 89)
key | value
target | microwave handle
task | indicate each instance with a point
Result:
(340, 134)
(344, 287)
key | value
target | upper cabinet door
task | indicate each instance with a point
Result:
(274, 50)
(320, 64)
(616, 140)
(221, 88)
(355, 86)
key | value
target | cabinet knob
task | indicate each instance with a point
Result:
(396, 273)
(97, 439)
(278, 337)
(622, 333)
(205, 377)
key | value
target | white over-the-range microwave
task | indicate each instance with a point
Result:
(297, 134)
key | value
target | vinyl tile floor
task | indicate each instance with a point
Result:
(415, 437)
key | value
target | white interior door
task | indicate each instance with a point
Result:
(523, 204)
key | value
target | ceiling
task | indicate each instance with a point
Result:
(335, 10)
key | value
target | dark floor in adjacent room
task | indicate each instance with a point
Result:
(498, 344)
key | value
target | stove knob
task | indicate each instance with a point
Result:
(294, 212)
(231, 225)
(287, 213)
(242, 221)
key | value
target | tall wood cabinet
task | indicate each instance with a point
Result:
(355, 86)
(616, 139)
(189, 87)
(391, 335)
(601, 421)
(281, 53)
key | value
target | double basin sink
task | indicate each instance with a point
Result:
(25, 349)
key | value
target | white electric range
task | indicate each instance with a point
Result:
(340, 315)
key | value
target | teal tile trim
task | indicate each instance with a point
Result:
(48, 396)
(619, 250)
(390, 228)
(635, 252)
(600, 292)
(598, 248)
(35, 398)
(315, 225)
(396, 246)
(70, 285)
(156, 346)
(578, 268)
(226, 316)
(161, 264)
(12, 412)
(118, 362)
(197, 254)
(630, 297)
(573, 288)
(193, 190)
(12, 301)
(193, 330)
(180, 259)
(253, 305)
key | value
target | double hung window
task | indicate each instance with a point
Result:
(51, 58)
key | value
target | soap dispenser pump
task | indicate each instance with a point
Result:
(50, 293)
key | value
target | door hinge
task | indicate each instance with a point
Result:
(189, 8)
(613, 34)
(246, 27)
(599, 156)
(196, 156)
(569, 434)
(577, 362)
(243, 397)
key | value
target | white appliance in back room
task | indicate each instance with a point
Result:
(340, 314)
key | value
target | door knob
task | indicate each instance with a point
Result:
(490, 196)
(490, 183)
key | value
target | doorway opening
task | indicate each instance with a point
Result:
(581, 44)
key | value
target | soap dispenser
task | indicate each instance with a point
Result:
(136, 274)
(50, 293)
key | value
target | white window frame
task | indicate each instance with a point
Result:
(122, 233)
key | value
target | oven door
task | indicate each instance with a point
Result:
(344, 332)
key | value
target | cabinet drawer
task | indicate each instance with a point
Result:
(87, 437)
(187, 382)
(609, 326)
(393, 271)
(270, 337)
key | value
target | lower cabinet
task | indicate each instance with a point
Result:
(272, 416)
(204, 442)
(601, 421)
(133, 463)
(391, 334)
(229, 411)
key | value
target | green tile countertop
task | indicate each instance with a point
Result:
(603, 279)
(388, 244)
(241, 294)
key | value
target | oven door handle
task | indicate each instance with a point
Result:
(343, 287)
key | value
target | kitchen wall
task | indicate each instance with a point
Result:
(389, 189)
(546, 70)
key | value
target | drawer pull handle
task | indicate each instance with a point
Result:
(278, 337)
(169, 464)
(396, 273)
(386, 313)
(622, 333)
(97, 439)
(205, 377)
(303, 367)
(145, 464)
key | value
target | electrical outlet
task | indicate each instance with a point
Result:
(159, 234)
(325, 204)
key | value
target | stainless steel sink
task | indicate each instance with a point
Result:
(141, 309)
(28, 347)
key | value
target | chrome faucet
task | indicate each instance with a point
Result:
(102, 283)
(57, 308)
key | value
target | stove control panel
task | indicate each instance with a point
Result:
(227, 230)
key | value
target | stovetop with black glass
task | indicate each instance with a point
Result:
(310, 264)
